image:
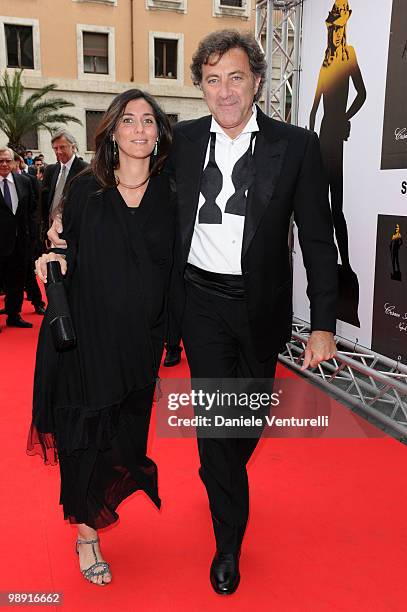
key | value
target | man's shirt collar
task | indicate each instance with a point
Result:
(250, 127)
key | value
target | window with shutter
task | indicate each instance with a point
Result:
(95, 53)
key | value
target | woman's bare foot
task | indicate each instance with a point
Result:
(87, 554)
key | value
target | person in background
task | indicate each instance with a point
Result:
(28, 158)
(37, 168)
(30, 284)
(40, 173)
(20, 167)
(340, 78)
(17, 231)
(57, 176)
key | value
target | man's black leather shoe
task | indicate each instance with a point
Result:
(225, 576)
(173, 356)
(40, 310)
(17, 322)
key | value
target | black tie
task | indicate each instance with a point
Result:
(7, 195)
(242, 178)
(211, 186)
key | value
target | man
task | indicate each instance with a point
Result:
(240, 175)
(20, 167)
(57, 176)
(37, 168)
(17, 229)
(28, 158)
(30, 285)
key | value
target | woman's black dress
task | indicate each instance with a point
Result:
(92, 404)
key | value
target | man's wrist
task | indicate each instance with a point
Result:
(323, 331)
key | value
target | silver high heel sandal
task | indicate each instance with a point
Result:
(99, 568)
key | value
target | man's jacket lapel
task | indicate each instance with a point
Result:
(53, 184)
(189, 171)
(268, 160)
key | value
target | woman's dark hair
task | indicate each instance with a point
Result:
(218, 43)
(103, 163)
(331, 49)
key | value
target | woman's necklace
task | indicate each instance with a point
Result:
(119, 182)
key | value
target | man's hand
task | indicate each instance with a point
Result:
(54, 230)
(41, 265)
(320, 347)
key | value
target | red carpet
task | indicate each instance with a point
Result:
(327, 529)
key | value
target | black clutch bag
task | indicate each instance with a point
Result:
(63, 333)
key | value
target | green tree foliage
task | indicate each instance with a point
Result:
(20, 115)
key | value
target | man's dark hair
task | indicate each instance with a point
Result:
(218, 43)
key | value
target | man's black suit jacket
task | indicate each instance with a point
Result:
(20, 226)
(289, 179)
(49, 183)
(35, 185)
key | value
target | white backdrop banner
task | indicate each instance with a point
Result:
(345, 66)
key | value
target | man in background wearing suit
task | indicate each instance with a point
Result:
(57, 176)
(31, 286)
(17, 230)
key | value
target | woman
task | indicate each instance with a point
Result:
(92, 404)
(395, 244)
(340, 65)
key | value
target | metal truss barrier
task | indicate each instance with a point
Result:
(278, 31)
(371, 383)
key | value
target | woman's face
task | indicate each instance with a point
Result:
(136, 132)
(338, 35)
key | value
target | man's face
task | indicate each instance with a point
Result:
(29, 154)
(229, 88)
(38, 163)
(63, 149)
(6, 163)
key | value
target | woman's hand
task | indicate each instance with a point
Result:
(41, 265)
(346, 129)
(54, 231)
